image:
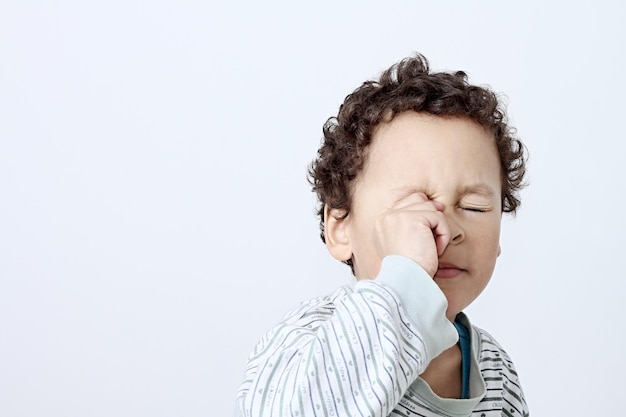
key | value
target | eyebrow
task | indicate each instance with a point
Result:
(481, 189)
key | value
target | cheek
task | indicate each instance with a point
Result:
(488, 242)
(489, 230)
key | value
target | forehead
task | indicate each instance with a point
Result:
(420, 149)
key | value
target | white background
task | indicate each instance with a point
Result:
(155, 217)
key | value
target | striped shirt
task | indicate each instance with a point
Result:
(360, 351)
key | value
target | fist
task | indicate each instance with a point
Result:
(414, 227)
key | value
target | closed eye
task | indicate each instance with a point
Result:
(475, 210)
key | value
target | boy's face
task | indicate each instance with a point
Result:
(413, 161)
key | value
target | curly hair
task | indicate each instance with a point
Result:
(408, 85)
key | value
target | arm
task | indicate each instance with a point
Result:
(355, 353)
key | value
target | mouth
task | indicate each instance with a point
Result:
(448, 270)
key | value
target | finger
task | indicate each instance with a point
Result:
(442, 239)
(441, 232)
(423, 207)
(436, 221)
(410, 199)
(438, 205)
(418, 198)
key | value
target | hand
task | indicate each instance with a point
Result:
(414, 227)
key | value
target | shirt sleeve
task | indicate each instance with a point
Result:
(353, 353)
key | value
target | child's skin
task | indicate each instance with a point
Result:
(431, 191)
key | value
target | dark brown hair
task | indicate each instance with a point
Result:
(408, 85)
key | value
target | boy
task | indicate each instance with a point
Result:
(413, 176)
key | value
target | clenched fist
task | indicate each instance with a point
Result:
(414, 227)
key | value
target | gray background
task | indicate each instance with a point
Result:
(155, 218)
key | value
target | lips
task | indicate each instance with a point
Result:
(448, 270)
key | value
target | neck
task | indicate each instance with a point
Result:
(443, 374)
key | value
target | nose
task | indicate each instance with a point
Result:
(456, 230)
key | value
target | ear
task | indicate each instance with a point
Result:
(499, 250)
(335, 233)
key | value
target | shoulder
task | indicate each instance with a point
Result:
(300, 321)
(489, 346)
(324, 307)
(492, 355)
(499, 373)
(318, 306)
